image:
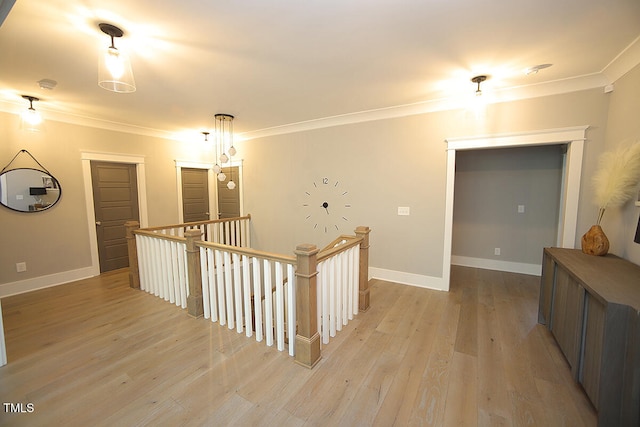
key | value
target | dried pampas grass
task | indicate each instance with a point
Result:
(617, 178)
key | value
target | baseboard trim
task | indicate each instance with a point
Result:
(411, 279)
(41, 282)
(491, 264)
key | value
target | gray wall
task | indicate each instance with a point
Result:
(623, 126)
(393, 163)
(384, 164)
(489, 187)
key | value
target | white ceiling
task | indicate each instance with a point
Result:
(284, 63)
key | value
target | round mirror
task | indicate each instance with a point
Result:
(28, 190)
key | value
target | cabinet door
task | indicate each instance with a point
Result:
(546, 290)
(591, 359)
(566, 317)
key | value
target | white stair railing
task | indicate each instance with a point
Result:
(162, 265)
(250, 291)
(290, 302)
(338, 286)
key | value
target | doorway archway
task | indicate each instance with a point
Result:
(574, 137)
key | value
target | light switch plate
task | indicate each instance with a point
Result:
(404, 210)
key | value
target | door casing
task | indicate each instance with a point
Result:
(86, 158)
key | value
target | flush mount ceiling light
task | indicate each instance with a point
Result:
(31, 119)
(47, 84)
(224, 146)
(114, 67)
(478, 80)
(536, 68)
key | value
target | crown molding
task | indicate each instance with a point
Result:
(11, 107)
(618, 67)
(591, 81)
(624, 62)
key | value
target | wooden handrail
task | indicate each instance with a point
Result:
(249, 252)
(337, 241)
(146, 232)
(196, 223)
(332, 250)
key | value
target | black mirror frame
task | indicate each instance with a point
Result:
(56, 184)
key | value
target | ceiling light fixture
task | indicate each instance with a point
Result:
(478, 80)
(47, 84)
(114, 67)
(536, 68)
(224, 146)
(31, 119)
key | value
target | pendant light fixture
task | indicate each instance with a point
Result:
(224, 143)
(477, 104)
(478, 80)
(114, 67)
(30, 118)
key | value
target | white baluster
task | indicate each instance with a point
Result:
(204, 279)
(356, 279)
(237, 286)
(339, 287)
(279, 307)
(212, 286)
(246, 282)
(326, 298)
(291, 315)
(332, 297)
(268, 304)
(220, 286)
(257, 298)
(174, 292)
(228, 286)
(182, 274)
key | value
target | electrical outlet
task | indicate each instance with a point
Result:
(496, 251)
(520, 208)
(21, 267)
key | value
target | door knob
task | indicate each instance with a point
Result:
(98, 223)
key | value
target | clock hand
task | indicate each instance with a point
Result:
(325, 205)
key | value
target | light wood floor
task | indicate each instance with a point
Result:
(96, 352)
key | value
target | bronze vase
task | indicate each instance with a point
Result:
(595, 242)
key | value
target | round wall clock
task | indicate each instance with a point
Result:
(326, 205)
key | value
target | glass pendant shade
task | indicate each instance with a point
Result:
(232, 151)
(217, 168)
(114, 72)
(30, 119)
(114, 68)
(231, 185)
(224, 158)
(222, 177)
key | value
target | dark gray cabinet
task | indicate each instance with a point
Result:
(591, 305)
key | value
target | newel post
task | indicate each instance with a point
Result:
(134, 271)
(194, 300)
(307, 345)
(363, 286)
